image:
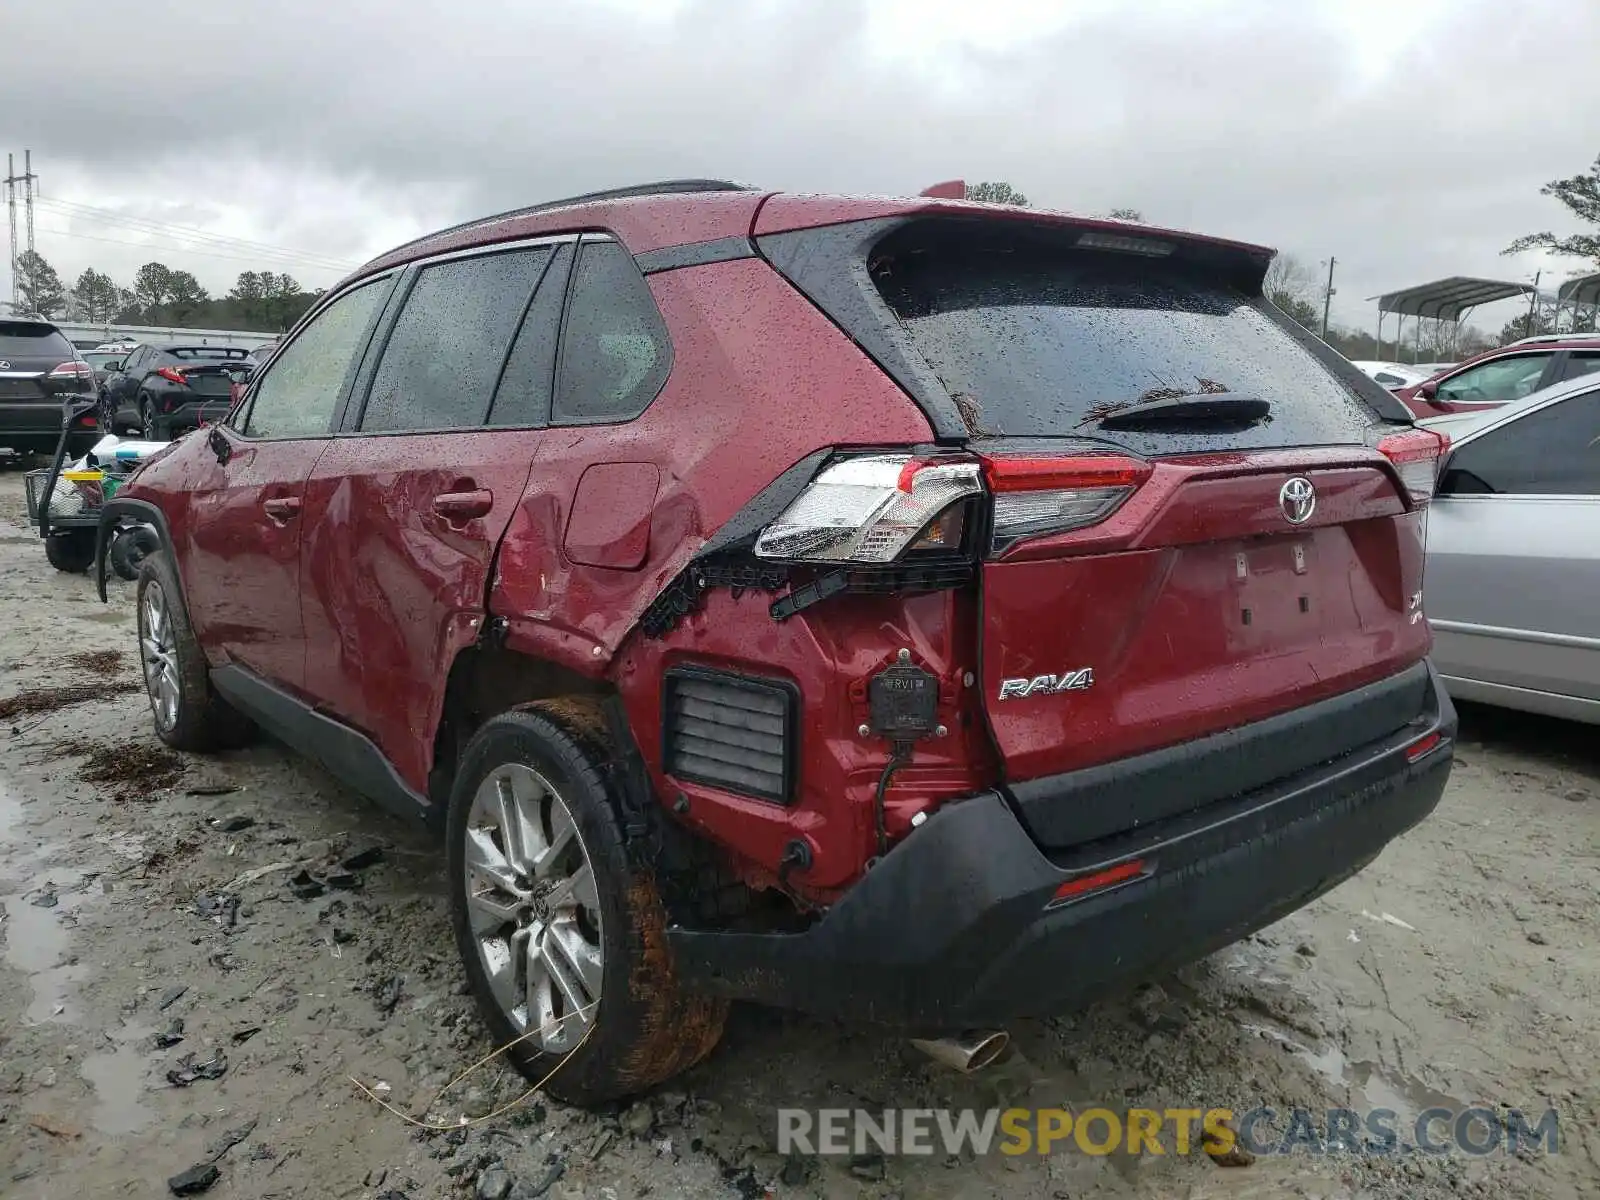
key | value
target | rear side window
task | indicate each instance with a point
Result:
(1496, 381)
(204, 353)
(1552, 452)
(297, 395)
(1049, 342)
(22, 339)
(1581, 362)
(445, 352)
(615, 354)
(528, 381)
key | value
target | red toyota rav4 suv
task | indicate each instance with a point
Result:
(910, 610)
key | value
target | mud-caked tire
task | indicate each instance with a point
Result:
(557, 929)
(189, 714)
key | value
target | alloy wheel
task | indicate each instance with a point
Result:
(158, 648)
(534, 908)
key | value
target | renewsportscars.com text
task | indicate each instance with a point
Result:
(1216, 1131)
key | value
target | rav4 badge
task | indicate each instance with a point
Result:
(1047, 685)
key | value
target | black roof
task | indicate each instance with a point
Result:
(666, 187)
(169, 347)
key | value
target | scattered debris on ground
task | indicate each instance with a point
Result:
(40, 700)
(96, 662)
(131, 768)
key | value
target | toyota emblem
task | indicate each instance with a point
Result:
(1298, 499)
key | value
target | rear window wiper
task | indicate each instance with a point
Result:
(1190, 409)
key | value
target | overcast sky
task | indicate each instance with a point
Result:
(1407, 137)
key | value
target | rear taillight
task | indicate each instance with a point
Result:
(874, 509)
(1034, 497)
(1416, 455)
(171, 374)
(72, 372)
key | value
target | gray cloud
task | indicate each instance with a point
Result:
(340, 128)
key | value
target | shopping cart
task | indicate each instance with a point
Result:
(65, 499)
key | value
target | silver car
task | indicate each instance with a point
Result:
(1513, 570)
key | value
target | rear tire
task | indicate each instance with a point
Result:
(150, 427)
(558, 930)
(189, 715)
(72, 551)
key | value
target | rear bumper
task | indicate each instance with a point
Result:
(194, 413)
(954, 927)
(32, 425)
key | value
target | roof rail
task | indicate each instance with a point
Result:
(666, 187)
(1556, 337)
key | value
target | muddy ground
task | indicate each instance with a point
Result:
(148, 897)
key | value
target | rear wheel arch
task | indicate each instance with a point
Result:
(486, 680)
(129, 508)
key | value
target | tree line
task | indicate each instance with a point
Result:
(159, 295)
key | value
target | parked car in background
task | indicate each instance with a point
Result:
(1391, 375)
(916, 609)
(1429, 370)
(103, 362)
(160, 390)
(121, 346)
(1513, 577)
(39, 371)
(1503, 374)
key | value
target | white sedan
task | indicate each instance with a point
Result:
(1391, 375)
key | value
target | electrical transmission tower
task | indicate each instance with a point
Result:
(27, 179)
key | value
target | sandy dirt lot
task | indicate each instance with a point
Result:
(169, 1000)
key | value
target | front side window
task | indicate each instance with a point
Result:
(615, 353)
(1509, 378)
(297, 396)
(1552, 452)
(444, 355)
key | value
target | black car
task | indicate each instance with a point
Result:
(162, 389)
(104, 364)
(40, 370)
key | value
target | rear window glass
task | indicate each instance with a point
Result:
(20, 339)
(207, 352)
(1049, 342)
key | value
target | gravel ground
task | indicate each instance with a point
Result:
(148, 897)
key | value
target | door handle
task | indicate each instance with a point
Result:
(463, 506)
(282, 508)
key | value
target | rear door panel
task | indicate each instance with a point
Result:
(1512, 588)
(1514, 552)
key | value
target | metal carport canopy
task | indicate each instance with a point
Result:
(1585, 289)
(1447, 299)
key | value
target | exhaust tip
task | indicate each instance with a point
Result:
(966, 1052)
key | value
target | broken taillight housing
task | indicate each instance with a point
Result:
(1416, 455)
(873, 509)
(1034, 497)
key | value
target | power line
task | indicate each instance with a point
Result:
(150, 224)
(188, 233)
(89, 237)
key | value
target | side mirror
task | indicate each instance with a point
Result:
(115, 365)
(1428, 391)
